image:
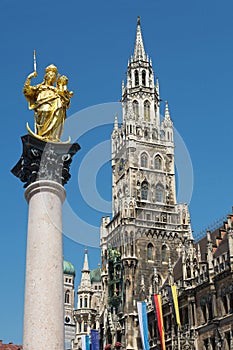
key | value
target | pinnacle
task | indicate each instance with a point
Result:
(167, 112)
(85, 265)
(139, 51)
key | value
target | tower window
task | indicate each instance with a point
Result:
(158, 163)
(67, 297)
(144, 190)
(164, 253)
(85, 302)
(188, 272)
(147, 111)
(81, 303)
(159, 193)
(143, 78)
(144, 160)
(150, 251)
(136, 77)
(135, 108)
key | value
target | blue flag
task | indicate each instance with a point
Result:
(95, 339)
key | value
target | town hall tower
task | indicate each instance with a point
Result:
(143, 239)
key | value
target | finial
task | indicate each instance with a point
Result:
(167, 112)
(139, 21)
(86, 251)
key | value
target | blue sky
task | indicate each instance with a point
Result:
(190, 44)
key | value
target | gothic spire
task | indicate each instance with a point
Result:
(139, 51)
(85, 279)
(85, 264)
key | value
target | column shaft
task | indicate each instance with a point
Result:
(43, 308)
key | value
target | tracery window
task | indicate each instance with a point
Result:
(158, 162)
(159, 193)
(136, 108)
(147, 111)
(144, 160)
(144, 190)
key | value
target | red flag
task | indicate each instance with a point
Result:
(156, 298)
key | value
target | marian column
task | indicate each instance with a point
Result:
(44, 168)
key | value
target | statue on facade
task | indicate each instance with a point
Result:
(49, 102)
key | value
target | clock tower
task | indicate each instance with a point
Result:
(143, 239)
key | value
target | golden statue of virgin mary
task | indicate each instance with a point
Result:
(49, 102)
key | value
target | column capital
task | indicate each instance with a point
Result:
(42, 160)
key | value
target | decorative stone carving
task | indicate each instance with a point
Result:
(42, 160)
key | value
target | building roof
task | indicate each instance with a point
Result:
(96, 275)
(68, 269)
(10, 346)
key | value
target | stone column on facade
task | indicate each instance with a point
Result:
(44, 168)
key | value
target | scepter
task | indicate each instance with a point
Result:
(34, 60)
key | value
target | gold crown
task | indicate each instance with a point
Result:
(51, 68)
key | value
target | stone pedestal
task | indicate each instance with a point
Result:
(44, 168)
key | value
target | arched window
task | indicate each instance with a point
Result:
(147, 111)
(143, 78)
(188, 272)
(85, 302)
(154, 135)
(203, 309)
(67, 297)
(144, 190)
(164, 253)
(159, 193)
(144, 160)
(136, 108)
(136, 77)
(210, 308)
(150, 251)
(158, 163)
(81, 302)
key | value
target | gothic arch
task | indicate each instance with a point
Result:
(159, 193)
(146, 111)
(136, 108)
(164, 253)
(150, 251)
(158, 162)
(144, 159)
(144, 190)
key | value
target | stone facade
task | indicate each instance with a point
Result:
(148, 245)
(69, 296)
